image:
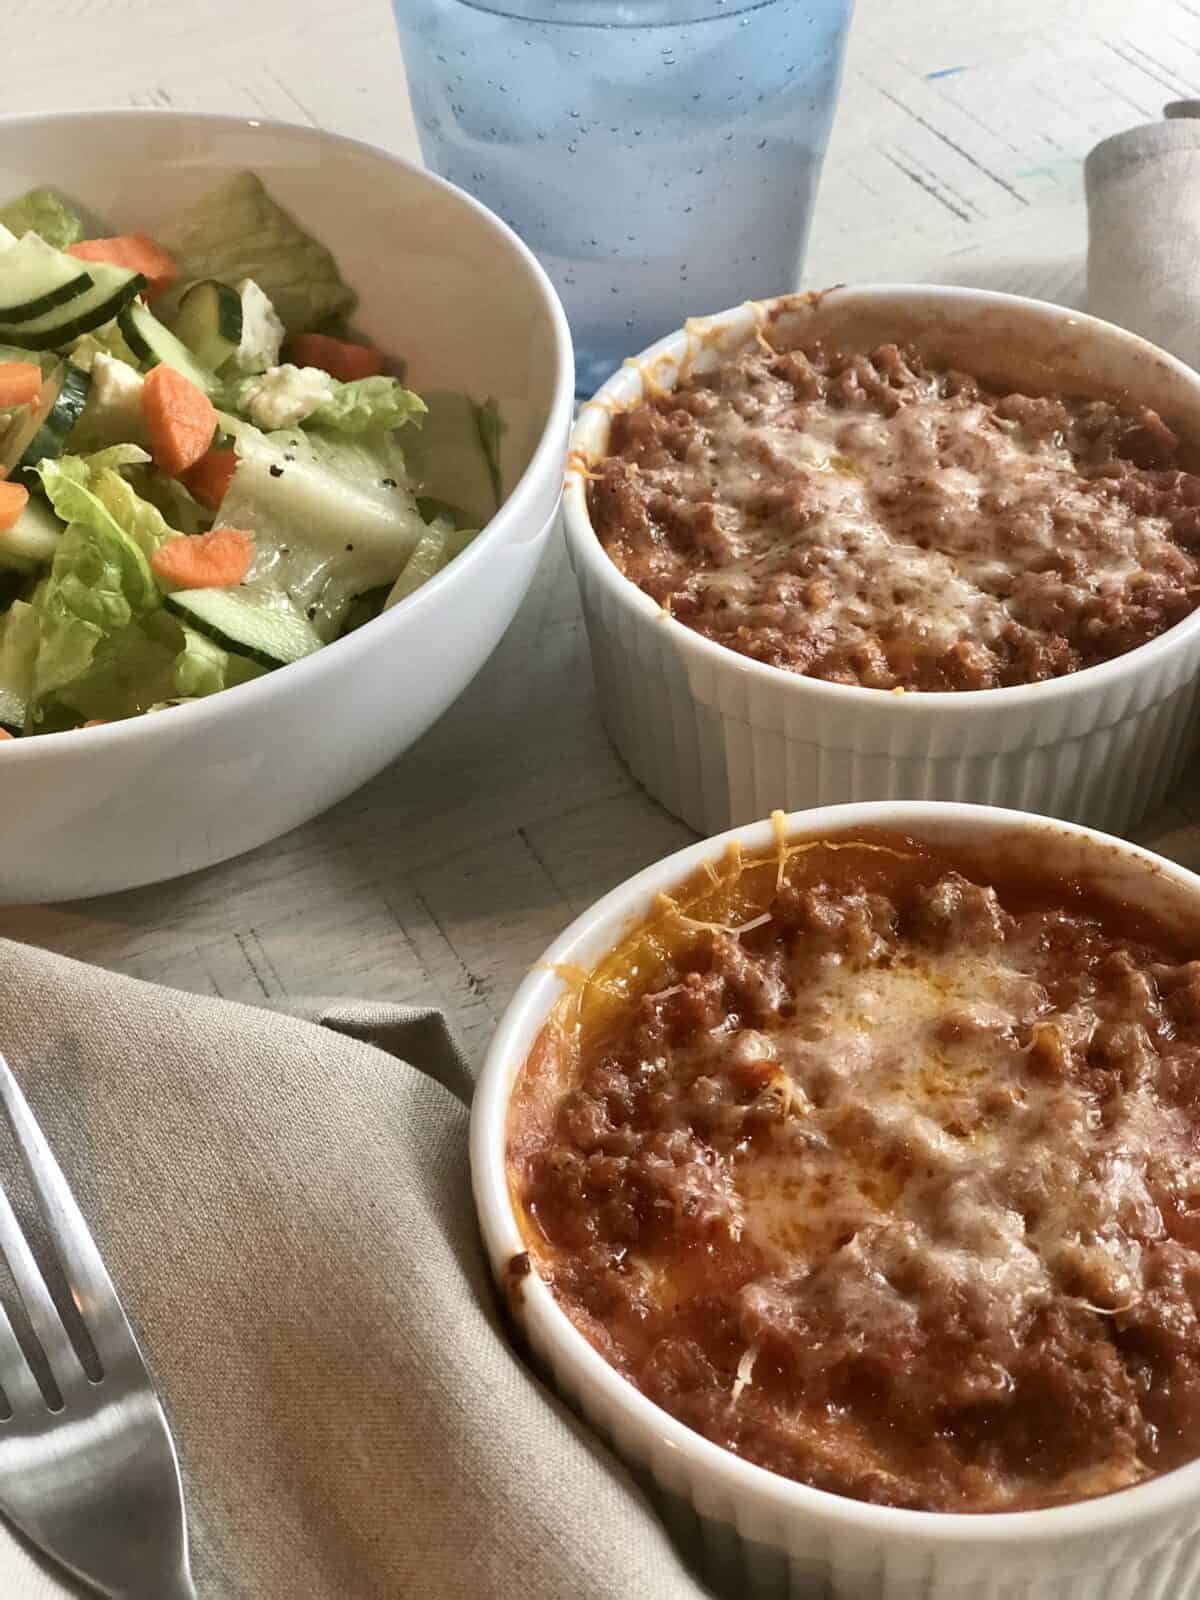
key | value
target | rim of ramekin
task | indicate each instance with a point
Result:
(518, 508)
(603, 924)
(623, 388)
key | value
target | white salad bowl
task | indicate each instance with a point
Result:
(760, 1536)
(719, 739)
(444, 285)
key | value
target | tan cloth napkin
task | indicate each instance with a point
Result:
(286, 1211)
(1143, 191)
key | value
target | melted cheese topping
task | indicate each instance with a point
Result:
(989, 519)
(898, 1195)
(864, 536)
(919, 1134)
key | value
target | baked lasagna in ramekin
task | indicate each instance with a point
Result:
(894, 542)
(845, 1171)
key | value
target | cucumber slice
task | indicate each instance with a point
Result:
(111, 288)
(436, 549)
(34, 279)
(152, 343)
(41, 431)
(210, 322)
(259, 623)
(32, 540)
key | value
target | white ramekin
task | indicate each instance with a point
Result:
(764, 1537)
(719, 739)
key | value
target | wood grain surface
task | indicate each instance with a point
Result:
(956, 158)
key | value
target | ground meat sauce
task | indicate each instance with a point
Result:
(884, 1173)
(871, 520)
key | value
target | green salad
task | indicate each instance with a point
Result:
(203, 474)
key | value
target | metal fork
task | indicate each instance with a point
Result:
(93, 1482)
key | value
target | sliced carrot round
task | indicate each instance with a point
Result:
(137, 253)
(217, 560)
(20, 382)
(14, 497)
(4, 734)
(209, 478)
(180, 419)
(338, 357)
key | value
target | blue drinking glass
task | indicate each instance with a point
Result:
(660, 157)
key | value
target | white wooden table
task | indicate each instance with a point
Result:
(956, 158)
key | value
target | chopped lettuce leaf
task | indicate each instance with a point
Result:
(372, 462)
(428, 557)
(435, 549)
(203, 666)
(20, 639)
(40, 651)
(101, 572)
(368, 403)
(332, 515)
(66, 646)
(238, 231)
(99, 576)
(141, 520)
(42, 212)
(117, 456)
(99, 585)
(108, 340)
(123, 666)
(184, 513)
(151, 661)
(446, 458)
(100, 644)
(491, 427)
(288, 396)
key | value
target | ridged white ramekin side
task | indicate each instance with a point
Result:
(720, 745)
(719, 739)
(750, 1552)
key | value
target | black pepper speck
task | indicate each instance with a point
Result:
(276, 472)
(388, 483)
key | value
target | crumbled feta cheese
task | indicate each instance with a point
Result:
(115, 383)
(262, 330)
(285, 395)
(113, 414)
